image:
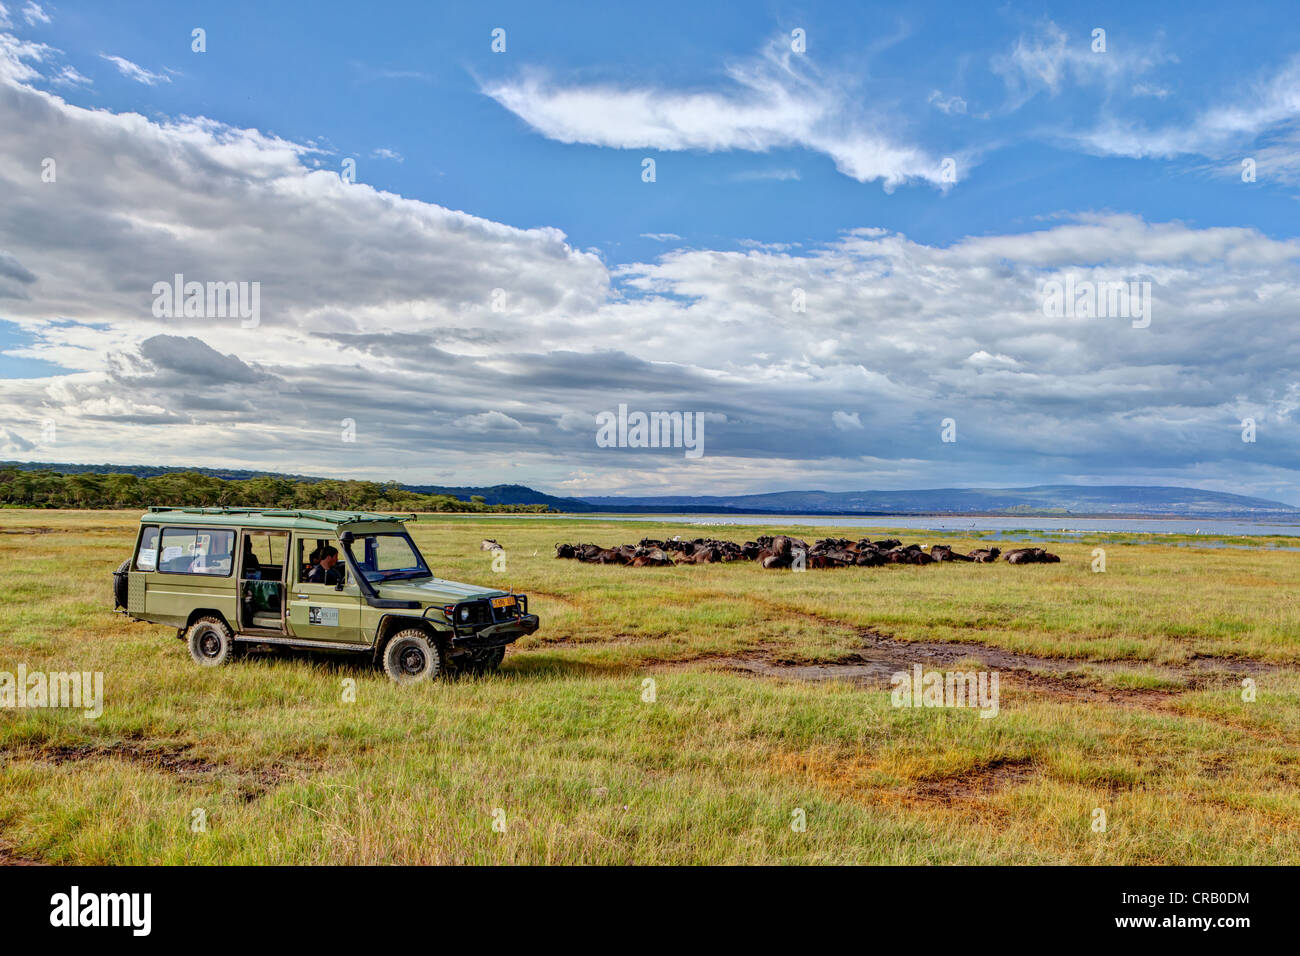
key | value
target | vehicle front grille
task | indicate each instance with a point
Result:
(482, 612)
(506, 613)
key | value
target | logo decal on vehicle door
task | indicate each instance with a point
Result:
(326, 616)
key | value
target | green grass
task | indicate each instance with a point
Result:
(585, 771)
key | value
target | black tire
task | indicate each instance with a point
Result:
(121, 586)
(413, 656)
(211, 642)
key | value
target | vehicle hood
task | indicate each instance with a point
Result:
(435, 591)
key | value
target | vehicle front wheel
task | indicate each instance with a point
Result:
(412, 656)
(211, 642)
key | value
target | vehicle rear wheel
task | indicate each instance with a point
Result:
(412, 656)
(211, 642)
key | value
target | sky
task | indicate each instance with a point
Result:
(829, 236)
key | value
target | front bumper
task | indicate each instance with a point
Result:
(496, 635)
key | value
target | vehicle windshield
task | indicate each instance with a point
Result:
(390, 556)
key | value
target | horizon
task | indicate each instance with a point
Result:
(593, 496)
(847, 251)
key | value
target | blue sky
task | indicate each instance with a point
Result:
(774, 167)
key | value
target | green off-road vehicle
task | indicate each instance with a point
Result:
(232, 578)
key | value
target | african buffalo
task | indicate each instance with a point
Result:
(941, 552)
(1030, 556)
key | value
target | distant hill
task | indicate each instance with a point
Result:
(1150, 500)
(1039, 500)
(507, 495)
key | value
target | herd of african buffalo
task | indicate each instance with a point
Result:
(783, 551)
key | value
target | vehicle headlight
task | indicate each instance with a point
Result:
(464, 614)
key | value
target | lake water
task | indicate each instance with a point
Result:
(954, 524)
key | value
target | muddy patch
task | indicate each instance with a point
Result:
(26, 530)
(880, 657)
(11, 857)
(1230, 665)
(974, 784)
(175, 760)
(862, 780)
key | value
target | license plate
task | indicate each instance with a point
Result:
(503, 602)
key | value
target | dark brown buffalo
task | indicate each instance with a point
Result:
(650, 558)
(870, 558)
(941, 552)
(1030, 556)
(984, 555)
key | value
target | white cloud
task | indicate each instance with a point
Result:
(776, 100)
(384, 153)
(768, 246)
(492, 421)
(135, 72)
(947, 104)
(1269, 103)
(846, 421)
(986, 358)
(1262, 113)
(661, 236)
(70, 76)
(1148, 89)
(761, 175)
(33, 14)
(1045, 60)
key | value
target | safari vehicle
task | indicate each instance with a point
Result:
(232, 578)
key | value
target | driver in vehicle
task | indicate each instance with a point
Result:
(326, 572)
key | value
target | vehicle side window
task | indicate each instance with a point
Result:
(190, 551)
(309, 548)
(147, 559)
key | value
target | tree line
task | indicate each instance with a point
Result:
(53, 489)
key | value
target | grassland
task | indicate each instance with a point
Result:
(1121, 691)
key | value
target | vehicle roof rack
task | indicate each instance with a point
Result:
(318, 514)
